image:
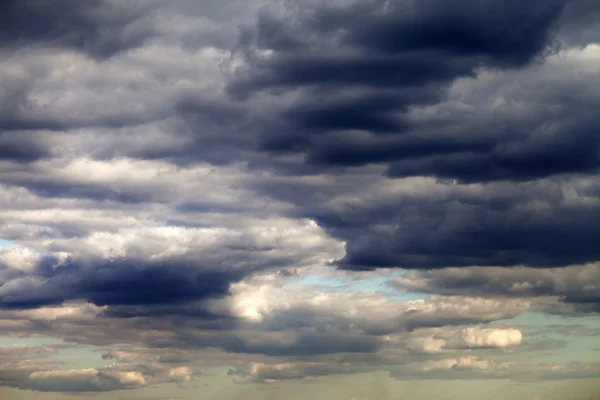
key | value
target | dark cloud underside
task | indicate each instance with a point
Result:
(355, 80)
(97, 27)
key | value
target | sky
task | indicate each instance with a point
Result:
(340, 200)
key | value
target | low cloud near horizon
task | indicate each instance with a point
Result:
(340, 199)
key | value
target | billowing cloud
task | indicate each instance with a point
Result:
(403, 103)
(466, 338)
(168, 264)
(322, 39)
(465, 111)
(171, 232)
(421, 222)
(288, 306)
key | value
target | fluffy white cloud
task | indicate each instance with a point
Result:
(474, 337)
(452, 339)
(368, 311)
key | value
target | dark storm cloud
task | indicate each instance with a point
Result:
(22, 147)
(115, 282)
(391, 43)
(97, 27)
(163, 268)
(423, 224)
(366, 110)
(363, 66)
(484, 236)
(565, 142)
(514, 145)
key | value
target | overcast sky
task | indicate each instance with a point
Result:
(308, 199)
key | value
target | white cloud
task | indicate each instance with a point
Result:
(478, 337)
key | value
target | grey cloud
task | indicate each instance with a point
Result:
(309, 324)
(13, 372)
(11, 353)
(114, 378)
(469, 367)
(578, 285)
(150, 195)
(49, 90)
(420, 223)
(31, 368)
(303, 344)
(13, 147)
(322, 330)
(472, 34)
(317, 354)
(116, 282)
(19, 371)
(131, 281)
(380, 84)
(89, 380)
(446, 144)
(27, 144)
(57, 104)
(164, 356)
(97, 255)
(524, 133)
(523, 144)
(580, 25)
(99, 27)
(432, 312)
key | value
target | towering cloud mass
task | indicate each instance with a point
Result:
(472, 105)
(296, 191)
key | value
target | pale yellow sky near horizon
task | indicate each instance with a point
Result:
(363, 386)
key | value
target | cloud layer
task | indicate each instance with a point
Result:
(295, 190)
